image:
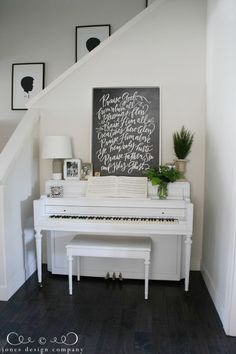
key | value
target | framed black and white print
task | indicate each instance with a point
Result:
(89, 37)
(72, 169)
(27, 81)
(56, 191)
(87, 170)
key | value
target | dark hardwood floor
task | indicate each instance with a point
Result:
(112, 317)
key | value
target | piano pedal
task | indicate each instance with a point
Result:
(114, 276)
(107, 276)
(120, 276)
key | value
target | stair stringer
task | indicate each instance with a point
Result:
(96, 50)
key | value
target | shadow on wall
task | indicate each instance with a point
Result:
(28, 240)
(6, 130)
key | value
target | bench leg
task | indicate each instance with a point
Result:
(70, 259)
(78, 268)
(146, 276)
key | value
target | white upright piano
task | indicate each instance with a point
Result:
(168, 222)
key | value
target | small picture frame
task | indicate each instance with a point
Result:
(56, 191)
(27, 81)
(87, 170)
(89, 37)
(72, 169)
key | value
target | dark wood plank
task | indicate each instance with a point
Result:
(112, 317)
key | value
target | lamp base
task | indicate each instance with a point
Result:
(57, 166)
(57, 176)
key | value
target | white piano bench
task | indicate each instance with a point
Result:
(112, 247)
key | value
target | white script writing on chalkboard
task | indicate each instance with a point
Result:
(124, 130)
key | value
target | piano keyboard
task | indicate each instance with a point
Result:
(117, 219)
(168, 222)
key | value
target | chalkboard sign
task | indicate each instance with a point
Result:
(126, 130)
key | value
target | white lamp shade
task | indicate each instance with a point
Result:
(57, 147)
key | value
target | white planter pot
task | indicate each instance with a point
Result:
(180, 165)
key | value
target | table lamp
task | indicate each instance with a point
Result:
(57, 148)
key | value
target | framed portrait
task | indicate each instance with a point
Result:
(87, 170)
(27, 81)
(56, 191)
(149, 2)
(72, 169)
(89, 37)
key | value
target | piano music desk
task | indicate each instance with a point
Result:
(112, 247)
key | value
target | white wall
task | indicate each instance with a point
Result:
(19, 186)
(44, 31)
(165, 47)
(219, 227)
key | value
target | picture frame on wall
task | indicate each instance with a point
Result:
(27, 81)
(89, 37)
(72, 169)
(130, 146)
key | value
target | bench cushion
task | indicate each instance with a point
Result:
(107, 242)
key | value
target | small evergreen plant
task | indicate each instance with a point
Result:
(183, 141)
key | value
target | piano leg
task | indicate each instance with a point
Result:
(78, 268)
(38, 238)
(70, 259)
(146, 276)
(188, 245)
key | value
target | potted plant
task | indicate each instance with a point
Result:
(183, 141)
(162, 177)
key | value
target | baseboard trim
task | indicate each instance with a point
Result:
(12, 286)
(3, 293)
(195, 264)
(216, 297)
(30, 269)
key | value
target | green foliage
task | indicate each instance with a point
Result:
(162, 177)
(183, 141)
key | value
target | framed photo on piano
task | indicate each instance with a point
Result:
(56, 191)
(72, 169)
(87, 170)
